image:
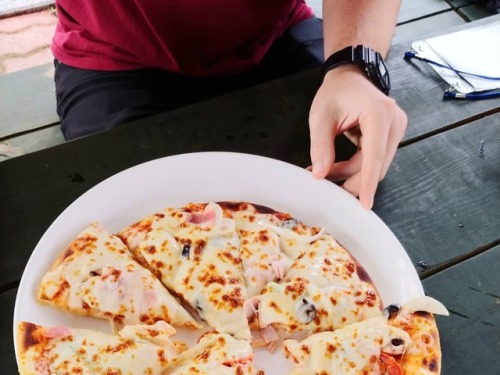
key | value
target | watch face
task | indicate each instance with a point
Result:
(367, 59)
(381, 75)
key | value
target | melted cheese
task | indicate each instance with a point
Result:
(322, 291)
(423, 357)
(260, 250)
(346, 351)
(82, 351)
(100, 278)
(218, 354)
(200, 261)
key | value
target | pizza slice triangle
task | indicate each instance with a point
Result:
(364, 347)
(194, 251)
(97, 275)
(263, 232)
(416, 317)
(402, 340)
(139, 349)
(324, 289)
(215, 353)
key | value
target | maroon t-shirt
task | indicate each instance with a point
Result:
(191, 37)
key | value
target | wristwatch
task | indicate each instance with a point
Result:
(367, 59)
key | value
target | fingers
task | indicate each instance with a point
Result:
(322, 144)
(345, 169)
(381, 135)
(375, 134)
(396, 133)
(368, 166)
(348, 103)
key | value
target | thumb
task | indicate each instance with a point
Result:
(322, 145)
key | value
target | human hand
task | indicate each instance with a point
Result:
(348, 102)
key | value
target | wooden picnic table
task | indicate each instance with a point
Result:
(441, 196)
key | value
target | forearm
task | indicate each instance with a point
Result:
(353, 22)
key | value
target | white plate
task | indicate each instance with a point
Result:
(219, 176)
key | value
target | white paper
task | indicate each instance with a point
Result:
(475, 50)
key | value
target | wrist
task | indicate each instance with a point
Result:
(360, 59)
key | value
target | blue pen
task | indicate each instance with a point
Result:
(413, 55)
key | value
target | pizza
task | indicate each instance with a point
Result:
(400, 341)
(324, 289)
(215, 353)
(97, 275)
(143, 349)
(416, 318)
(137, 349)
(242, 276)
(194, 251)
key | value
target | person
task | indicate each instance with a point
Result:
(117, 61)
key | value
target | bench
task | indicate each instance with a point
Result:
(29, 121)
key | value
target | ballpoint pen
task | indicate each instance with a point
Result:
(451, 93)
(413, 55)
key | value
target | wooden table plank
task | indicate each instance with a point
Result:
(35, 140)
(8, 363)
(474, 12)
(470, 335)
(268, 120)
(416, 86)
(410, 32)
(27, 100)
(411, 10)
(441, 197)
(458, 3)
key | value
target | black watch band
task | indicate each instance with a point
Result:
(367, 59)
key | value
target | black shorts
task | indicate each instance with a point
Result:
(89, 101)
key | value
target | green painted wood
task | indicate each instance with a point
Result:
(27, 100)
(418, 89)
(409, 32)
(268, 119)
(35, 140)
(8, 363)
(419, 92)
(474, 12)
(411, 9)
(441, 197)
(470, 335)
(455, 4)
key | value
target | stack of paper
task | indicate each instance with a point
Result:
(475, 50)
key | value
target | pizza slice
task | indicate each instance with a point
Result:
(262, 232)
(324, 289)
(215, 353)
(365, 347)
(258, 228)
(416, 318)
(142, 349)
(401, 341)
(194, 251)
(96, 275)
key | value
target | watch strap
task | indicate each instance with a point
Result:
(357, 55)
